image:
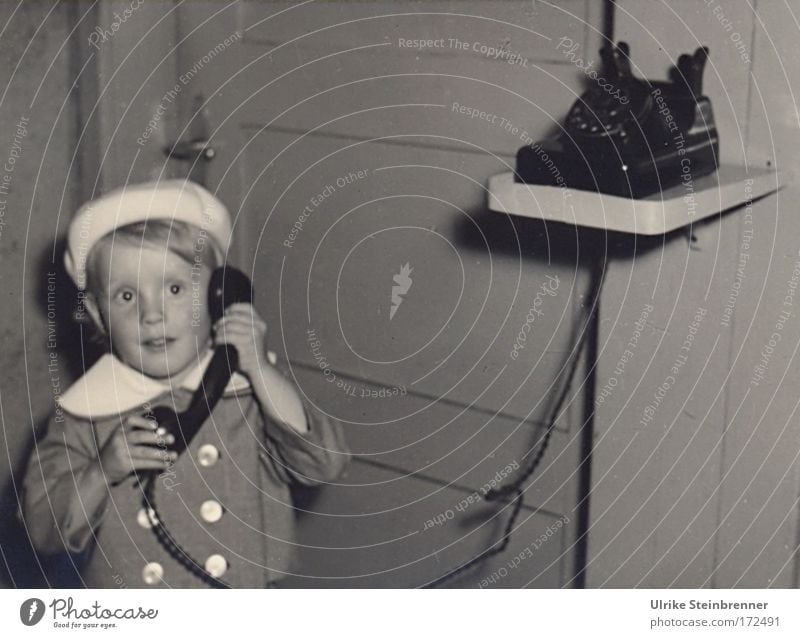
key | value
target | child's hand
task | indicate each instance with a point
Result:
(136, 446)
(243, 328)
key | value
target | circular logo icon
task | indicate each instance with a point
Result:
(31, 611)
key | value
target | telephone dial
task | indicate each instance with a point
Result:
(645, 137)
(227, 286)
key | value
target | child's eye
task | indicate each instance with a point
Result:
(125, 295)
(175, 289)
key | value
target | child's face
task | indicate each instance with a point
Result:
(154, 308)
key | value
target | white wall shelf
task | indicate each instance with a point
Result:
(729, 187)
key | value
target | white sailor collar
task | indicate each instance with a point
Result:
(111, 387)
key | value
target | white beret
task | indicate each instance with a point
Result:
(173, 199)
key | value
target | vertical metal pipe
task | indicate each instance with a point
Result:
(608, 20)
(587, 432)
(596, 267)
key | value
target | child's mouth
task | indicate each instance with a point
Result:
(159, 343)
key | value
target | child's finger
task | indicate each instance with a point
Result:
(231, 327)
(241, 308)
(149, 464)
(136, 421)
(240, 335)
(244, 312)
(147, 437)
(240, 320)
(237, 344)
(148, 452)
(237, 336)
(236, 331)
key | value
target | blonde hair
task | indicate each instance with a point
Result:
(187, 241)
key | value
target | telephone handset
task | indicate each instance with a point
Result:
(600, 114)
(227, 286)
(629, 136)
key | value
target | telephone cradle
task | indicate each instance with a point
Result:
(643, 137)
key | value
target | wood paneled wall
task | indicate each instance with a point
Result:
(703, 492)
(355, 98)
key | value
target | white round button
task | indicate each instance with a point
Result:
(153, 573)
(216, 565)
(211, 511)
(146, 518)
(207, 455)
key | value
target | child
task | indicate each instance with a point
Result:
(144, 255)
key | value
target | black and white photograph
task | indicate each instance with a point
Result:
(372, 295)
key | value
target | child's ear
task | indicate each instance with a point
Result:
(90, 303)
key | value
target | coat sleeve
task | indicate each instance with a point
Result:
(64, 491)
(310, 458)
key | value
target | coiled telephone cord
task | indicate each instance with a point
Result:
(514, 492)
(170, 545)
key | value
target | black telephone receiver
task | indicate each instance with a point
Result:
(227, 286)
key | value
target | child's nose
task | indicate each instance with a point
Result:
(151, 312)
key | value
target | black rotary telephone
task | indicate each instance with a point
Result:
(628, 136)
(227, 286)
